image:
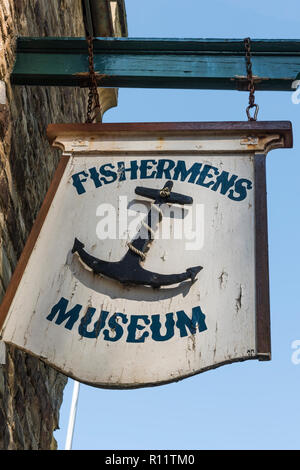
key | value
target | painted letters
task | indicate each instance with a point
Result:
(207, 176)
(135, 328)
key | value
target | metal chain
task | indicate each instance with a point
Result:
(93, 96)
(251, 87)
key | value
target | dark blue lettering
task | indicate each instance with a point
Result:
(95, 177)
(133, 168)
(184, 322)
(163, 168)
(240, 188)
(115, 327)
(98, 325)
(107, 173)
(77, 181)
(180, 170)
(224, 181)
(60, 309)
(133, 326)
(145, 166)
(205, 174)
(156, 326)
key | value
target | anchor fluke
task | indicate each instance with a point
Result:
(194, 271)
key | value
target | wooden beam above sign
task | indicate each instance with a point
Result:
(158, 63)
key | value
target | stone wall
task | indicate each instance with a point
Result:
(30, 392)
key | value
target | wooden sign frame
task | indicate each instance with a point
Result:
(259, 138)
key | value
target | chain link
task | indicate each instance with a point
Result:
(93, 96)
(251, 87)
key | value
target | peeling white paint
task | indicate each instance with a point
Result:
(224, 289)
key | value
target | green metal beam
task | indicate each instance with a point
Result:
(158, 63)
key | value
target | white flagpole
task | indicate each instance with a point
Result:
(2, 353)
(72, 416)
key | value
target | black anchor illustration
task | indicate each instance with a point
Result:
(129, 270)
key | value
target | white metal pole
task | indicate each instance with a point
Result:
(72, 416)
(2, 353)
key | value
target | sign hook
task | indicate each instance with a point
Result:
(93, 96)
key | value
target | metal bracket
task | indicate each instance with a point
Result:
(241, 81)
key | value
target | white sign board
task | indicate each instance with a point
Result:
(148, 261)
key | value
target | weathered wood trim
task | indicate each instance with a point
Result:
(29, 246)
(263, 327)
(157, 63)
(283, 128)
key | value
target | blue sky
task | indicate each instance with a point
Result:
(251, 405)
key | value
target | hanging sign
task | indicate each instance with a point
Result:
(148, 261)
